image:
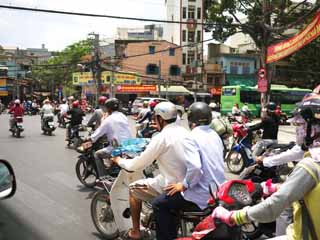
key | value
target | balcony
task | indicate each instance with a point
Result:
(191, 24)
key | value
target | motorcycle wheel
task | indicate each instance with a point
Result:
(18, 134)
(102, 215)
(235, 162)
(252, 230)
(86, 173)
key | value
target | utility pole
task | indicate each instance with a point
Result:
(96, 68)
(159, 76)
(112, 80)
(196, 74)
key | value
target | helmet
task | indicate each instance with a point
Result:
(102, 100)
(64, 100)
(271, 106)
(112, 104)
(145, 104)
(166, 110)
(200, 114)
(212, 105)
(17, 101)
(75, 104)
(46, 101)
(309, 108)
(71, 98)
(152, 104)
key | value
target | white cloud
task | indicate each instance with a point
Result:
(30, 29)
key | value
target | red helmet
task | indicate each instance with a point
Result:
(102, 100)
(75, 104)
(152, 104)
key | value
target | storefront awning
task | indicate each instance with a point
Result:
(175, 90)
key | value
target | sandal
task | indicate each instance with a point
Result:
(127, 237)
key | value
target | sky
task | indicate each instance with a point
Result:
(30, 29)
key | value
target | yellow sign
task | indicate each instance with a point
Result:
(86, 78)
(3, 93)
(3, 82)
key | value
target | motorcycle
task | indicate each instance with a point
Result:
(232, 195)
(110, 209)
(86, 168)
(48, 125)
(74, 139)
(17, 128)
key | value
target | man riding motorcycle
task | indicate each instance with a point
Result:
(96, 117)
(116, 128)
(270, 125)
(47, 111)
(203, 166)
(17, 111)
(63, 109)
(76, 117)
(168, 148)
(301, 189)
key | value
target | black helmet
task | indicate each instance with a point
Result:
(309, 108)
(271, 106)
(112, 104)
(200, 114)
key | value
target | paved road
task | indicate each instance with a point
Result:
(49, 203)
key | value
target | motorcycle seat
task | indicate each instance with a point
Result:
(192, 213)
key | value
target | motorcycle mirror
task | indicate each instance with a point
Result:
(213, 188)
(7, 180)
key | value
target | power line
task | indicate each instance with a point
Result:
(97, 15)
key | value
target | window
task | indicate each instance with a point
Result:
(152, 49)
(184, 35)
(184, 12)
(191, 12)
(245, 68)
(191, 36)
(249, 97)
(184, 58)
(190, 57)
(199, 13)
(152, 69)
(233, 68)
(171, 51)
(229, 92)
(198, 36)
(174, 70)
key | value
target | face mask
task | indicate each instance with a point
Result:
(300, 134)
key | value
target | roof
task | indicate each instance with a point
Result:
(175, 90)
(139, 41)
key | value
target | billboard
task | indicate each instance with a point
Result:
(132, 88)
(86, 78)
(287, 47)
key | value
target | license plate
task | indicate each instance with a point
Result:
(19, 124)
(51, 123)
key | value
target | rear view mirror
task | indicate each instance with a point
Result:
(7, 180)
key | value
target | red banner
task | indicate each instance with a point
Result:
(287, 47)
(216, 91)
(136, 88)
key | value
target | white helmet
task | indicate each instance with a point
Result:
(17, 101)
(212, 105)
(166, 110)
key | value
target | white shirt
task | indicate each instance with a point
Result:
(245, 108)
(215, 114)
(115, 127)
(168, 148)
(47, 110)
(207, 168)
(64, 108)
(235, 110)
(294, 154)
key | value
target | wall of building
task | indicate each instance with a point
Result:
(139, 64)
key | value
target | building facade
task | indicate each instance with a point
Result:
(190, 33)
(160, 61)
(148, 32)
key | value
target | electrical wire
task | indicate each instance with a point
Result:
(51, 11)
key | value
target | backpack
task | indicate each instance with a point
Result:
(222, 126)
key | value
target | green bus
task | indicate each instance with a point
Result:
(280, 94)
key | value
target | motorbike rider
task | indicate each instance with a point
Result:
(76, 117)
(270, 125)
(203, 166)
(214, 110)
(168, 148)
(63, 109)
(96, 117)
(301, 189)
(17, 111)
(47, 111)
(116, 128)
(235, 110)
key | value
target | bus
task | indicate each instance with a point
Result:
(280, 94)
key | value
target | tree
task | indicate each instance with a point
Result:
(265, 21)
(57, 71)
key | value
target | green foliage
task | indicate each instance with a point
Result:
(226, 17)
(59, 68)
